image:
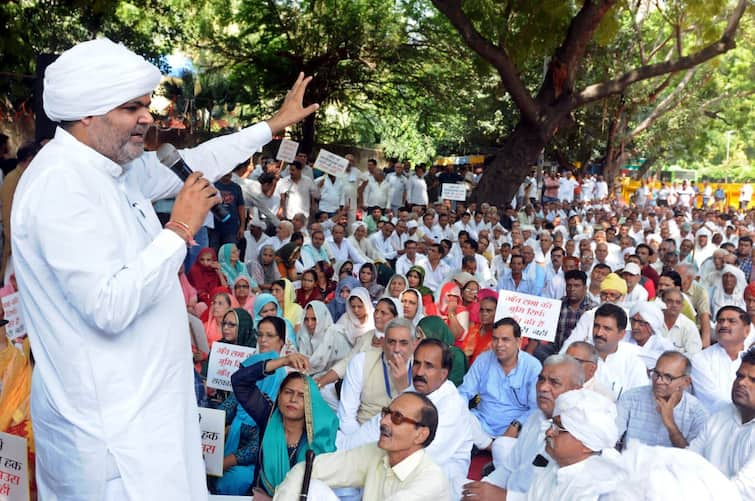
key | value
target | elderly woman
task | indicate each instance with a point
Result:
(396, 285)
(242, 291)
(232, 268)
(729, 291)
(360, 242)
(264, 269)
(323, 342)
(646, 322)
(297, 421)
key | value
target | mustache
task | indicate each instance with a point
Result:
(596, 337)
(419, 379)
(385, 431)
(543, 395)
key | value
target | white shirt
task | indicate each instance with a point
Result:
(276, 242)
(98, 279)
(684, 335)
(331, 193)
(416, 191)
(297, 194)
(652, 349)
(397, 189)
(713, 373)
(352, 180)
(729, 445)
(452, 446)
(376, 194)
(387, 247)
(623, 370)
(583, 481)
(344, 251)
(638, 294)
(403, 264)
(435, 277)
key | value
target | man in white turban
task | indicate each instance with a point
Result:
(581, 441)
(113, 403)
(646, 322)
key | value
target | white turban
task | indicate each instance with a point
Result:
(703, 232)
(93, 78)
(651, 312)
(589, 417)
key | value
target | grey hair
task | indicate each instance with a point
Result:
(576, 373)
(592, 351)
(680, 356)
(401, 323)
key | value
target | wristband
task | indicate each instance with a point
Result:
(182, 229)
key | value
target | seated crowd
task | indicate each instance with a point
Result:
(372, 309)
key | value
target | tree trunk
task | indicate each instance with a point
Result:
(501, 179)
(307, 142)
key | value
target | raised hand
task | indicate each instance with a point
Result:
(292, 110)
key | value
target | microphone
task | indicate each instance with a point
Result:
(169, 157)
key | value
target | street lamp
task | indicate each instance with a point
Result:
(728, 134)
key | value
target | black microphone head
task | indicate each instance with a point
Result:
(168, 154)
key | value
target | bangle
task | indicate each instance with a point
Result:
(182, 229)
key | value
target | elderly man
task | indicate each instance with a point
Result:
(374, 377)
(635, 292)
(102, 433)
(452, 446)
(397, 467)
(677, 328)
(713, 369)
(728, 439)
(698, 296)
(561, 373)
(664, 413)
(504, 377)
(646, 321)
(580, 440)
(587, 355)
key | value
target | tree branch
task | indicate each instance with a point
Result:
(665, 105)
(497, 56)
(596, 92)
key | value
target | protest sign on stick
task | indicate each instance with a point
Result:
(287, 150)
(331, 163)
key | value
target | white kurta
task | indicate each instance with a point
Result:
(587, 480)
(713, 373)
(112, 392)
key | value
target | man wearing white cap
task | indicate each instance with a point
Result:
(635, 292)
(113, 404)
(580, 440)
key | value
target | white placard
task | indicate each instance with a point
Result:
(225, 360)
(453, 191)
(14, 471)
(212, 426)
(287, 150)
(537, 316)
(15, 327)
(331, 163)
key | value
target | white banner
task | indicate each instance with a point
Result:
(330, 163)
(212, 426)
(14, 470)
(15, 327)
(452, 191)
(287, 150)
(537, 316)
(225, 360)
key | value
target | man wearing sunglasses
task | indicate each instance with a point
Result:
(664, 413)
(397, 467)
(452, 446)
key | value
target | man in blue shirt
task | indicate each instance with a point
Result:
(504, 377)
(514, 278)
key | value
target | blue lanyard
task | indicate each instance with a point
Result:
(385, 375)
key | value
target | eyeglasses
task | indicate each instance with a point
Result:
(557, 428)
(229, 324)
(397, 418)
(665, 378)
(241, 286)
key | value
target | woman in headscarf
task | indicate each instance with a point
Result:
(238, 328)
(232, 268)
(205, 275)
(242, 443)
(283, 290)
(286, 258)
(264, 269)
(434, 327)
(368, 280)
(323, 342)
(242, 292)
(308, 290)
(290, 425)
(358, 318)
(266, 305)
(359, 241)
(453, 313)
(416, 279)
(191, 298)
(325, 280)
(411, 304)
(337, 307)
(343, 269)
(729, 291)
(396, 285)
